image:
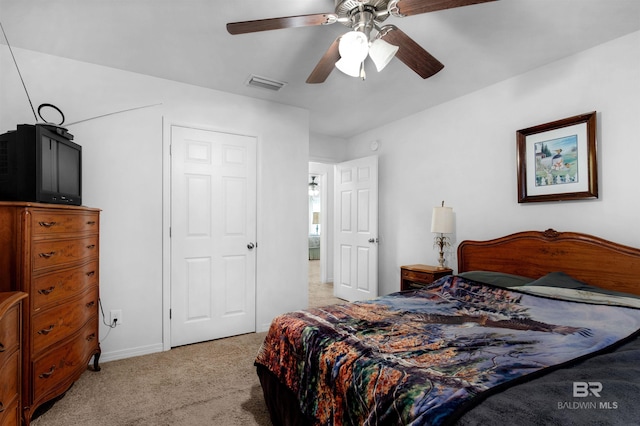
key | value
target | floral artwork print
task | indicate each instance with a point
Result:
(557, 161)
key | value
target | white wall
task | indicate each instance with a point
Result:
(327, 149)
(464, 152)
(126, 175)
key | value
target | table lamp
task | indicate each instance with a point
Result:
(441, 224)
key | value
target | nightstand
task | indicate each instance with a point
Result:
(417, 276)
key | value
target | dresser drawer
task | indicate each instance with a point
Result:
(52, 325)
(417, 276)
(53, 222)
(9, 332)
(9, 375)
(64, 364)
(56, 287)
(11, 415)
(51, 253)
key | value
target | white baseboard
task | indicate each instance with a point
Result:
(131, 352)
(263, 327)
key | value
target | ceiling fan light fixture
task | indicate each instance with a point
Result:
(313, 187)
(363, 17)
(382, 53)
(349, 67)
(353, 49)
(354, 46)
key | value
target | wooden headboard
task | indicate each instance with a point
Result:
(590, 259)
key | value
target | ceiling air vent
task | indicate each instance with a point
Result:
(265, 83)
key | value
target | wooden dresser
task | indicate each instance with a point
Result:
(10, 357)
(51, 253)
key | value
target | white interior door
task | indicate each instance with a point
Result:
(213, 235)
(356, 229)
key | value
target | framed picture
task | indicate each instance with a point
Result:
(557, 161)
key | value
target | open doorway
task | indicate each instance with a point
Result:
(320, 234)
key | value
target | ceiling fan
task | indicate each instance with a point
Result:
(348, 52)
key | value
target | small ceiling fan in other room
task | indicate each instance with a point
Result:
(366, 38)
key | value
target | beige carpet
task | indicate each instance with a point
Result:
(211, 383)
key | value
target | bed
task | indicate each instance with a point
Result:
(536, 328)
(314, 247)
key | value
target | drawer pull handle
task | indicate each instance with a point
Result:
(91, 273)
(47, 255)
(2, 348)
(46, 331)
(91, 337)
(91, 304)
(91, 246)
(91, 222)
(46, 291)
(48, 373)
(1, 407)
(46, 224)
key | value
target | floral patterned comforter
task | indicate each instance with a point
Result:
(425, 356)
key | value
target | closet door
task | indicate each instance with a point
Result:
(213, 235)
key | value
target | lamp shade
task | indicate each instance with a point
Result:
(316, 218)
(353, 49)
(442, 220)
(382, 53)
(349, 67)
(354, 46)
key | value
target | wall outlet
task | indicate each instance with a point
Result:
(116, 317)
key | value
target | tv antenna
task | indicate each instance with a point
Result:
(20, 74)
(48, 105)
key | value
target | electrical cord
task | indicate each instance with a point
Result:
(114, 324)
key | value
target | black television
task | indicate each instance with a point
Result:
(40, 163)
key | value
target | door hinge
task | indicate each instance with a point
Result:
(169, 313)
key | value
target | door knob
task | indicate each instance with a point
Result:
(373, 240)
(251, 246)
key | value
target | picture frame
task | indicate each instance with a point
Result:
(557, 161)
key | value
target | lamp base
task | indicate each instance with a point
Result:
(441, 242)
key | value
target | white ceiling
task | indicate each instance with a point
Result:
(187, 41)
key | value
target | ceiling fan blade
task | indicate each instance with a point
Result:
(410, 52)
(326, 64)
(416, 7)
(280, 23)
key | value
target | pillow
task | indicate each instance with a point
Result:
(562, 280)
(577, 295)
(499, 279)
